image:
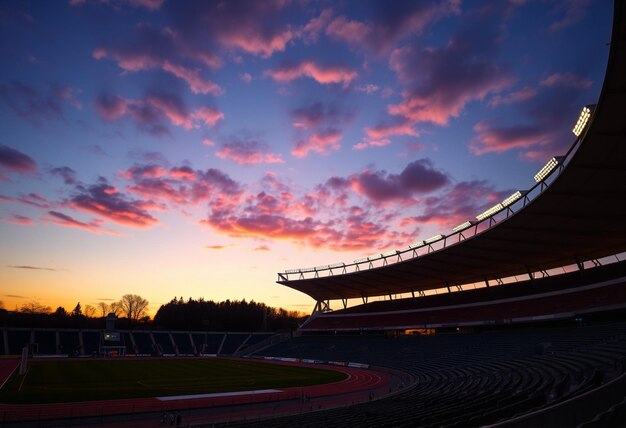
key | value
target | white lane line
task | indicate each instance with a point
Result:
(218, 394)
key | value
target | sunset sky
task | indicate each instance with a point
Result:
(197, 148)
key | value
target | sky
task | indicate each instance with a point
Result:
(197, 148)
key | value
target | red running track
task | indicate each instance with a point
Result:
(361, 385)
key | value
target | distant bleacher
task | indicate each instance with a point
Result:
(72, 342)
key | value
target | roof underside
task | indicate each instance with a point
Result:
(581, 216)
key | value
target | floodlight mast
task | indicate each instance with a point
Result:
(583, 120)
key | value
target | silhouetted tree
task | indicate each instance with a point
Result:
(77, 312)
(104, 308)
(35, 307)
(133, 306)
(89, 311)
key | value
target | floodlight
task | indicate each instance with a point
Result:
(511, 199)
(462, 226)
(491, 211)
(364, 259)
(583, 119)
(548, 168)
(416, 244)
(389, 253)
(336, 265)
(433, 239)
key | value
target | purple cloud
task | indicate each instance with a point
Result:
(16, 161)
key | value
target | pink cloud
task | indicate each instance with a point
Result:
(315, 26)
(106, 201)
(183, 173)
(382, 131)
(262, 248)
(567, 79)
(197, 84)
(523, 94)
(496, 139)
(250, 41)
(321, 74)
(320, 142)
(151, 112)
(68, 221)
(353, 32)
(207, 115)
(19, 220)
(208, 142)
(372, 143)
(163, 50)
(443, 80)
(247, 152)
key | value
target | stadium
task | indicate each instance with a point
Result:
(515, 318)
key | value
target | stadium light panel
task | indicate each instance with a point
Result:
(416, 244)
(364, 259)
(389, 253)
(583, 119)
(433, 239)
(548, 168)
(491, 211)
(513, 198)
(462, 226)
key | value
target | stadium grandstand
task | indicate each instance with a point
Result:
(516, 314)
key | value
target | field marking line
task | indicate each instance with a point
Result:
(9, 376)
(23, 379)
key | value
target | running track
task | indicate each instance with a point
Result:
(361, 385)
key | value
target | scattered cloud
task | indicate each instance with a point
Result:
(14, 160)
(519, 96)
(19, 220)
(107, 201)
(371, 143)
(61, 219)
(27, 267)
(245, 151)
(154, 111)
(324, 75)
(574, 11)
(567, 79)
(66, 173)
(320, 142)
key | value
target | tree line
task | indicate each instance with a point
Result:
(229, 315)
(178, 314)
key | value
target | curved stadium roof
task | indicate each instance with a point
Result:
(580, 216)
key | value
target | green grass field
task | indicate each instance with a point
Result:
(63, 381)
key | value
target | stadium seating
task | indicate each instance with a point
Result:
(69, 342)
(183, 343)
(484, 378)
(144, 343)
(163, 342)
(91, 342)
(45, 342)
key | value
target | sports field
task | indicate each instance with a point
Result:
(86, 380)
